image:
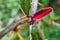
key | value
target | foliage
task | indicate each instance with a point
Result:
(10, 13)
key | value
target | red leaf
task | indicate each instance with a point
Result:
(41, 13)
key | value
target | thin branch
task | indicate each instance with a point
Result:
(51, 21)
(40, 29)
(22, 10)
(13, 33)
(40, 4)
(22, 28)
(19, 35)
(33, 10)
(13, 26)
(55, 23)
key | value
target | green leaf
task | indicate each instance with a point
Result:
(25, 5)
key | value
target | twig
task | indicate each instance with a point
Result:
(40, 29)
(51, 21)
(30, 29)
(22, 28)
(32, 12)
(40, 4)
(13, 33)
(34, 5)
(21, 9)
(19, 35)
(55, 23)
(13, 26)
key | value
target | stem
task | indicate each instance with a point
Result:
(19, 35)
(30, 28)
(40, 29)
(40, 4)
(33, 9)
(21, 9)
(13, 33)
(51, 21)
(32, 12)
(22, 28)
(13, 26)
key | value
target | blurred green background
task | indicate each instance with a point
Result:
(10, 12)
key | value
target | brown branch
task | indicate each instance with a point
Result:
(13, 26)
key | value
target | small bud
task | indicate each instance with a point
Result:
(41, 13)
